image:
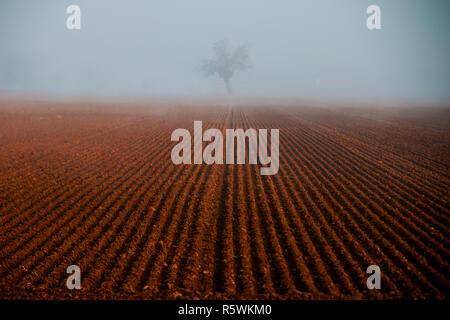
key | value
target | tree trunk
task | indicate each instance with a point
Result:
(228, 85)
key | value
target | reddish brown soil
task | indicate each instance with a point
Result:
(92, 184)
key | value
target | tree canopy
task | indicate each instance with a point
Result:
(225, 61)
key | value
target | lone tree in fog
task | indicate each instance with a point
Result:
(225, 61)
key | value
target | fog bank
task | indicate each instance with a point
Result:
(305, 49)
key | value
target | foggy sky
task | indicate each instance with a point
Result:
(307, 49)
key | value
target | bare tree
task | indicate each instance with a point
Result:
(225, 62)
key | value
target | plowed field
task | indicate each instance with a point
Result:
(93, 184)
